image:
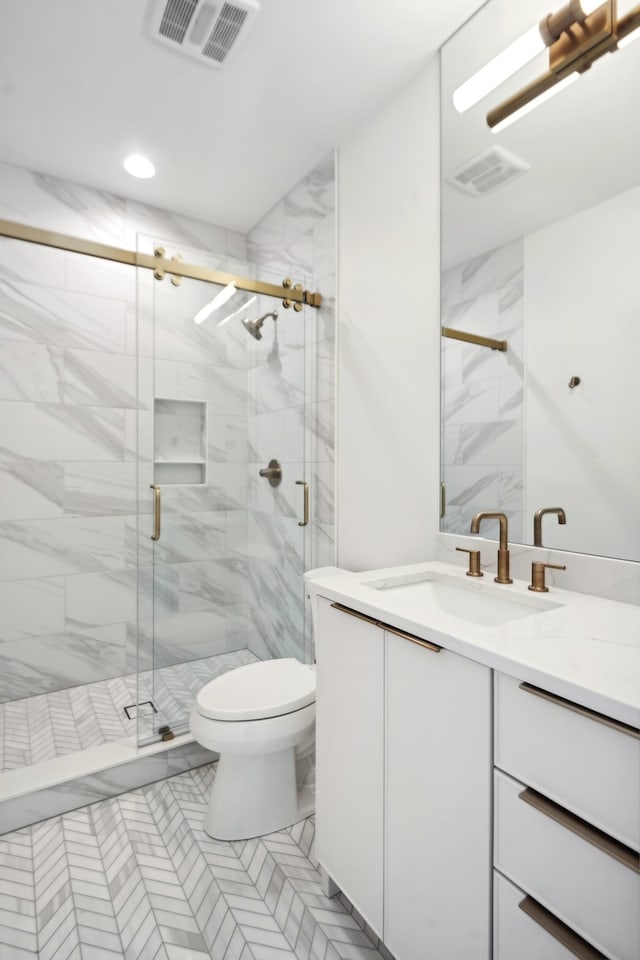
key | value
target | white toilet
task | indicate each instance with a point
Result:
(259, 718)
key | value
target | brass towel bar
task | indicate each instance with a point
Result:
(474, 338)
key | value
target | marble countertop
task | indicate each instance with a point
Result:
(585, 648)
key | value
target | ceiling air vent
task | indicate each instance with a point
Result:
(489, 170)
(205, 30)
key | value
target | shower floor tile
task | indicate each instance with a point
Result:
(136, 877)
(65, 721)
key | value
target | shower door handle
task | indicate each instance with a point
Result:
(305, 521)
(156, 511)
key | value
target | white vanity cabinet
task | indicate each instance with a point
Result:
(404, 784)
(350, 756)
(566, 805)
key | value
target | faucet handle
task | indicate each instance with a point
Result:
(474, 562)
(537, 575)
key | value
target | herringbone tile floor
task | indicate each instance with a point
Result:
(136, 876)
(65, 721)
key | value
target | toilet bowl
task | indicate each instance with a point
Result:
(259, 718)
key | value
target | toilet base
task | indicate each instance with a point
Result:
(256, 794)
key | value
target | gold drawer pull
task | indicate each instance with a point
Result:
(408, 636)
(598, 838)
(385, 626)
(354, 613)
(583, 711)
(559, 931)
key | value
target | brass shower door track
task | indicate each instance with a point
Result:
(292, 295)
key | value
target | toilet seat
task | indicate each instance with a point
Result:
(257, 691)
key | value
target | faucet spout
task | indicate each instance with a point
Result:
(537, 522)
(503, 548)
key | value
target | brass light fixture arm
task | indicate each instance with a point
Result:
(575, 42)
(159, 264)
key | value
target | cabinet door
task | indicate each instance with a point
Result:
(438, 804)
(349, 752)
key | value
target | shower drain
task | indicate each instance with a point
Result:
(135, 707)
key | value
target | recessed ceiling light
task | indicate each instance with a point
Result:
(139, 166)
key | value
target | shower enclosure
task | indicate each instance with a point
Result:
(221, 551)
(141, 552)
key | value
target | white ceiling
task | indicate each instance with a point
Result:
(82, 86)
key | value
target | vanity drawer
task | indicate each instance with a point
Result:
(575, 756)
(587, 888)
(526, 931)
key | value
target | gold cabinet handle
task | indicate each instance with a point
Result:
(597, 838)
(409, 636)
(354, 613)
(427, 644)
(583, 711)
(559, 930)
(156, 511)
(303, 483)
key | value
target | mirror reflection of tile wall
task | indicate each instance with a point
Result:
(482, 391)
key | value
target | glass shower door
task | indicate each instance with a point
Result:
(221, 554)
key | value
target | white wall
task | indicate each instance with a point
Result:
(388, 366)
(581, 301)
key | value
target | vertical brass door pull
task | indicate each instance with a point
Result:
(156, 511)
(303, 483)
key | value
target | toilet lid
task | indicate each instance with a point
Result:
(256, 691)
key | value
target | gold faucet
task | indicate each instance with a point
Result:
(503, 548)
(537, 522)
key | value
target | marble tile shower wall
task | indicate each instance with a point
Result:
(292, 415)
(68, 416)
(482, 391)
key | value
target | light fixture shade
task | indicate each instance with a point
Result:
(510, 60)
(588, 6)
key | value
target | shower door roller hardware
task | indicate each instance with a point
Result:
(272, 472)
(303, 483)
(156, 511)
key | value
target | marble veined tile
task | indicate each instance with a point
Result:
(493, 270)
(99, 489)
(31, 262)
(277, 386)
(51, 431)
(31, 607)
(490, 443)
(59, 660)
(100, 278)
(59, 205)
(93, 599)
(62, 318)
(225, 390)
(44, 548)
(192, 536)
(99, 379)
(30, 371)
(31, 489)
(278, 434)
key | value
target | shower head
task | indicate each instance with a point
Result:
(254, 326)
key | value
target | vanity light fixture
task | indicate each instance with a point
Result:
(139, 166)
(576, 36)
(219, 300)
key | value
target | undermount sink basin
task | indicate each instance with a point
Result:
(484, 604)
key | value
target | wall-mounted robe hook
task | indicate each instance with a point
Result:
(574, 382)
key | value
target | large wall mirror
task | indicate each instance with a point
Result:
(541, 250)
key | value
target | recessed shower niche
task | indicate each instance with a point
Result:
(179, 441)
